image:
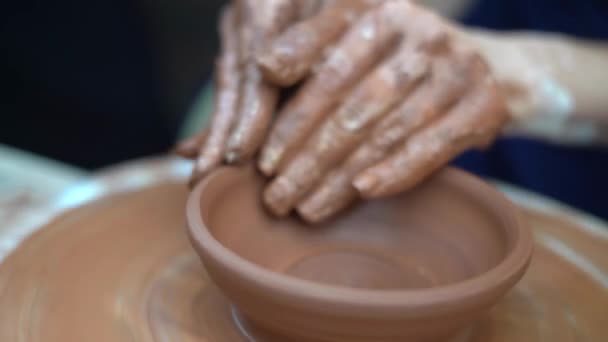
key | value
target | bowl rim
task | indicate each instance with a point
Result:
(443, 298)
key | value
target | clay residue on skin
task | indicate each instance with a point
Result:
(424, 104)
(390, 92)
(261, 20)
(345, 66)
(227, 79)
(292, 54)
(414, 106)
(348, 125)
(244, 101)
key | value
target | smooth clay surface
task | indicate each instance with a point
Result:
(421, 266)
(435, 235)
(121, 269)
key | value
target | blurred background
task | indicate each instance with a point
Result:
(94, 83)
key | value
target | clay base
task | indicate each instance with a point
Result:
(121, 269)
(210, 308)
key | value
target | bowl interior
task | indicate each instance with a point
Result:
(444, 231)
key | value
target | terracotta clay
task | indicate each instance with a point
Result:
(121, 269)
(417, 267)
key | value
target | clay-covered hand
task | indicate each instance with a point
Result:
(244, 101)
(398, 97)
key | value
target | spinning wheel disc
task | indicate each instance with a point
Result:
(121, 269)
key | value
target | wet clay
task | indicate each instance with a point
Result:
(430, 237)
(419, 266)
(121, 269)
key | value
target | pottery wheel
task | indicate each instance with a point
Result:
(121, 269)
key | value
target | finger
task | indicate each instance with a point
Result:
(472, 122)
(307, 8)
(334, 194)
(448, 82)
(375, 95)
(336, 190)
(356, 53)
(290, 57)
(262, 21)
(257, 105)
(190, 147)
(267, 18)
(227, 80)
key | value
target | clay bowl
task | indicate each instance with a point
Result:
(421, 266)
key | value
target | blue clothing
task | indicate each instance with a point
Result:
(574, 175)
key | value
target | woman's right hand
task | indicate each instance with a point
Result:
(397, 97)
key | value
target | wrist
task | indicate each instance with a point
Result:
(528, 73)
(529, 84)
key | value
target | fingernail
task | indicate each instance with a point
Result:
(277, 196)
(265, 167)
(315, 207)
(311, 214)
(307, 210)
(366, 183)
(269, 160)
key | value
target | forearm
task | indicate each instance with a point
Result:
(568, 72)
(554, 84)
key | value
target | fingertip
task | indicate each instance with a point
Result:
(309, 210)
(184, 150)
(188, 148)
(277, 197)
(269, 160)
(203, 167)
(274, 70)
(265, 168)
(238, 151)
(315, 211)
(367, 184)
(195, 178)
(309, 216)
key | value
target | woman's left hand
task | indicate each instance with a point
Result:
(244, 101)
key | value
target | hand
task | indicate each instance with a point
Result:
(244, 100)
(397, 98)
